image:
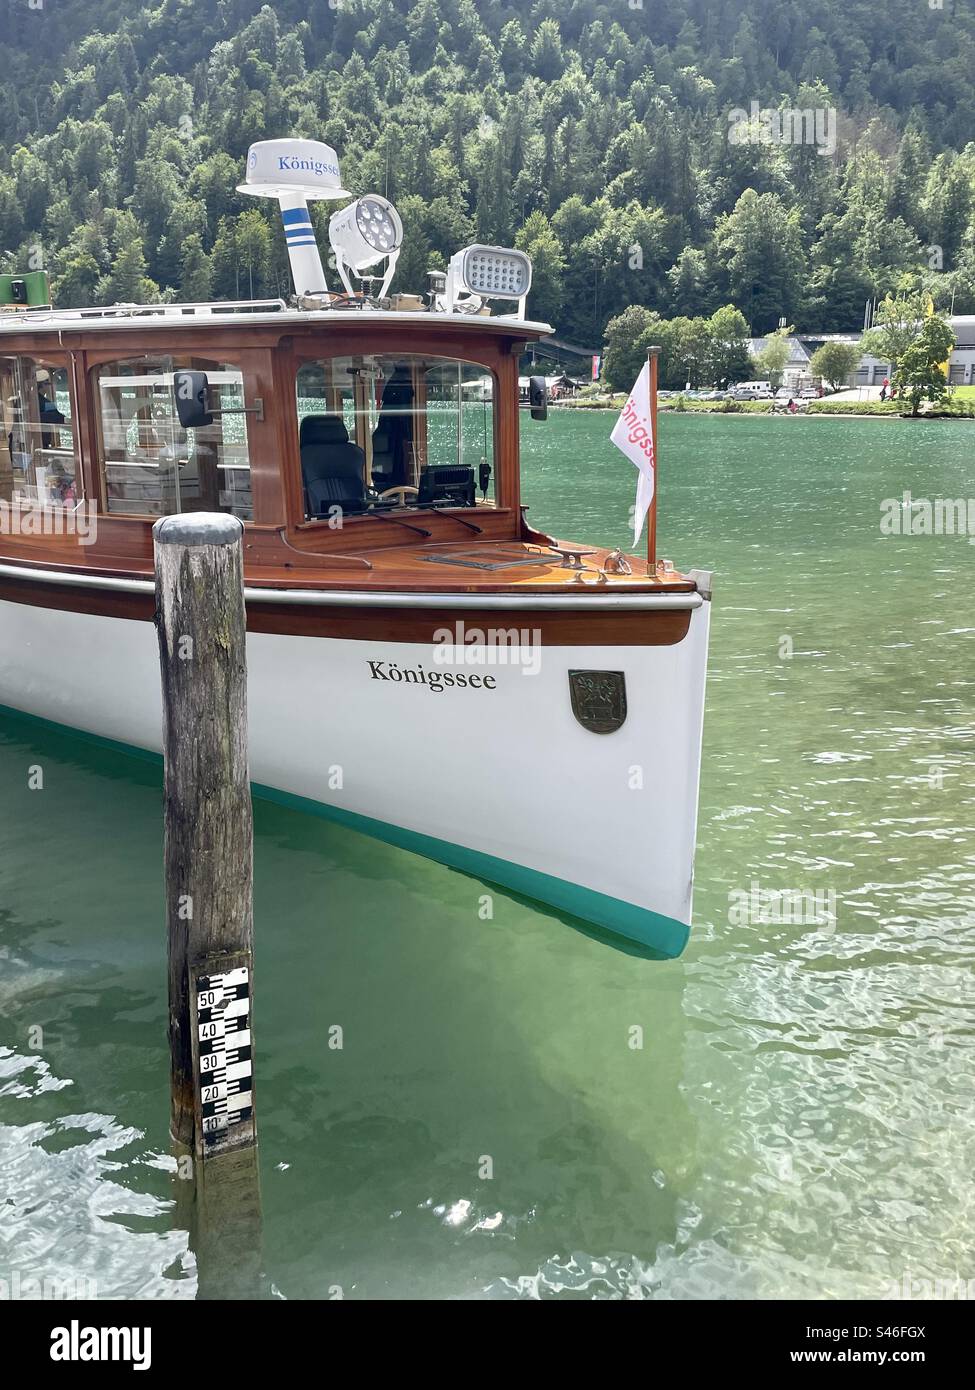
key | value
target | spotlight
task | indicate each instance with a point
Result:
(367, 231)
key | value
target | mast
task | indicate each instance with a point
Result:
(296, 172)
(653, 354)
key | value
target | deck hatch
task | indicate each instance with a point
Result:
(494, 560)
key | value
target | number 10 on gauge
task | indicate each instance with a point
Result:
(223, 1060)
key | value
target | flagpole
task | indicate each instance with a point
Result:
(653, 354)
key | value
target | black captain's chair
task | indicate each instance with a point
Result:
(333, 470)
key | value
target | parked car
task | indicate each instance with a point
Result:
(810, 393)
(753, 391)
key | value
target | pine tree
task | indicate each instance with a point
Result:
(126, 281)
(548, 265)
(197, 274)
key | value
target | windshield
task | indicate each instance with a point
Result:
(382, 433)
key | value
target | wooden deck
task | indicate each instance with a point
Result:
(435, 564)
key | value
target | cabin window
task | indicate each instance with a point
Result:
(38, 462)
(380, 432)
(153, 467)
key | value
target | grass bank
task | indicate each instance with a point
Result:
(957, 408)
(961, 406)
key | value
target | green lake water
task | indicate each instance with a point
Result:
(799, 1119)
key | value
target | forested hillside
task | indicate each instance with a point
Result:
(597, 135)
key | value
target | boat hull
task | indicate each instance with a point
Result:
(497, 772)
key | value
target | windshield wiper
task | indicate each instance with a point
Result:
(379, 515)
(432, 507)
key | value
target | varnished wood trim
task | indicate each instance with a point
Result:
(565, 629)
(69, 598)
(225, 333)
(507, 461)
(613, 628)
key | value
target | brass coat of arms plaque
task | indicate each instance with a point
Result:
(598, 699)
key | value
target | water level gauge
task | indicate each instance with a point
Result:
(223, 1065)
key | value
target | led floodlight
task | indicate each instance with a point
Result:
(489, 272)
(367, 231)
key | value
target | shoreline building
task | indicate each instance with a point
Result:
(872, 370)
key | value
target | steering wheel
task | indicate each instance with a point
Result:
(401, 491)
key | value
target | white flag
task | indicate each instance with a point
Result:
(633, 434)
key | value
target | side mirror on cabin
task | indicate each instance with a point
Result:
(538, 397)
(192, 399)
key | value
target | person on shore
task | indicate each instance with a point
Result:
(883, 389)
(791, 407)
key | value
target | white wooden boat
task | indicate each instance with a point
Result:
(424, 666)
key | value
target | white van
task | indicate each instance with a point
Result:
(752, 391)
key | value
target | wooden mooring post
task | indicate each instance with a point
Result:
(209, 830)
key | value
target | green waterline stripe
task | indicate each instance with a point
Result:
(131, 750)
(639, 924)
(650, 929)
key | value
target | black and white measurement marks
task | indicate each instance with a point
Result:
(223, 1065)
